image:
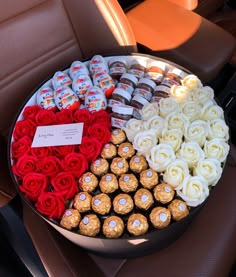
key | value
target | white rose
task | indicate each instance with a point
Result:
(175, 173)
(197, 131)
(191, 82)
(144, 141)
(156, 123)
(180, 93)
(172, 137)
(191, 153)
(149, 110)
(168, 105)
(202, 95)
(209, 169)
(218, 129)
(211, 111)
(191, 110)
(194, 190)
(160, 157)
(132, 127)
(176, 121)
(216, 148)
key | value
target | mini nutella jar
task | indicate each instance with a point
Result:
(127, 82)
(173, 77)
(137, 103)
(119, 96)
(155, 71)
(117, 66)
(144, 88)
(120, 115)
(161, 92)
(137, 68)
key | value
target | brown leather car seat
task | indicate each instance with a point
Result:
(37, 38)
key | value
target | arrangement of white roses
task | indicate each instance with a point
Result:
(183, 137)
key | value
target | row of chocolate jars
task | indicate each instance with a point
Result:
(122, 191)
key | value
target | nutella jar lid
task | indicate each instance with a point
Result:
(148, 82)
(161, 88)
(130, 77)
(140, 99)
(138, 61)
(122, 109)
(158, 64)
(122, 92)
(177, 72)
(117, 59)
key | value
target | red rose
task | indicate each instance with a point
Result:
(83, 116)
(51, 204)
(64, 117)
(30, 112)
(21, 147)
(41, 152)
(65, 183)
(102, 117)
(90, 148)
(49, 166)
(75, 163)
(45, 117)
(101, 132)
(24, 128)
(61, 151)
(24, 165)
(33, 185)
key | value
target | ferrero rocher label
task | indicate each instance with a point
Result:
(108, 183)
(160, 217)
(113, 227)
(118, 136)
(178, 209)
(164, 193)
(101, 203)
(119, 166)
(82, 202)
(123, 203)
(70, 219)
(137, 224)
(109, 151)
(88, 182)
(138, 163)
(143, 199)
(126, 150)
(90, 225)
(100, 166)
(128, 182)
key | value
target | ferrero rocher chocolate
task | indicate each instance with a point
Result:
(119, 166)
(137, 224)
(138, 163)
(82, 202)
(88, 182)
(108, 183)
(70, 219)
(178, 209)
(118, 136)
(126, 150)
(160, 217)
(149, 178)
(128, 182)
(90, 225)
(109, 151)
(101, 203)
(164, 193)
(123, 204)
(143, 199)
(113, 227)
(100, 166)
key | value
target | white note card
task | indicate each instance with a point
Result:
(55, 135)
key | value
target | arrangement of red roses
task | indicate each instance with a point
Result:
(48, 176)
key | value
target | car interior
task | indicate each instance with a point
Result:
(39, 37)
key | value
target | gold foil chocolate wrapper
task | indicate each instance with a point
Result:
(88, 182)
(108, 183)
(101, 203)
(113, 227)
(164, 193)
(119, 166)
(118, 136)
(100, 166)
(109, 151)
(126, 150)
(143, 199)
(178, 209)
(138, 163)
(160, 217)
(149, 178)
(123, 204)
(128, 182)
(90, 225)
(70, 219)
(82, 202)
(137, 224)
